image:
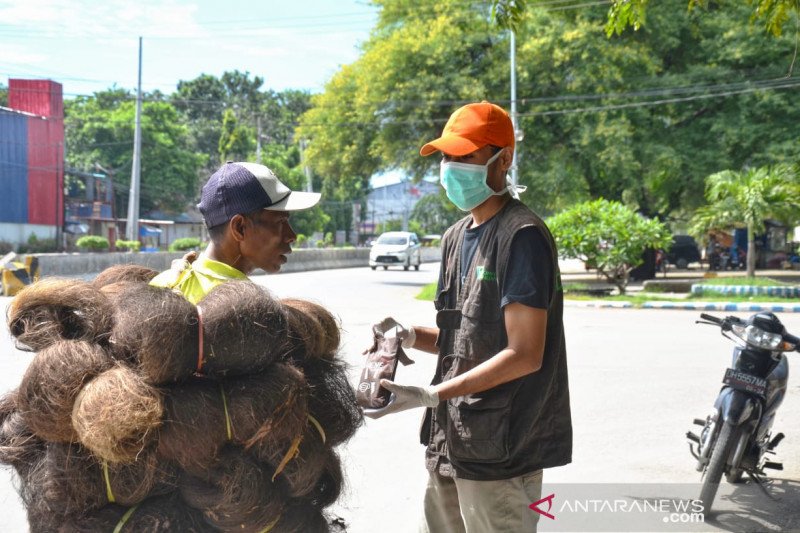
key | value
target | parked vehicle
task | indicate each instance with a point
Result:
(684, 250)
(737, 436)
(396, 248)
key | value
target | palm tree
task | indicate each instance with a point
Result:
(746, 199)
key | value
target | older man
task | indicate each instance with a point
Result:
(246, 209)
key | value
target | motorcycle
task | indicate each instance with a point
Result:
(737, 437)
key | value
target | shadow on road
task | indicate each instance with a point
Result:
(752, 510)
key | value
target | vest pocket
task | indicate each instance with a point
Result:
(478, 425)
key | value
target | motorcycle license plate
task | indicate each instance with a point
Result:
(745, 382)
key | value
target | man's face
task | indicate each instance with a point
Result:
(266, 241)
(497, 170)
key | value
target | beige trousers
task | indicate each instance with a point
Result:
(466, 506)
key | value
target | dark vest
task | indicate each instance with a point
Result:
(517, 427)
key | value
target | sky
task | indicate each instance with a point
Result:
(89, 46)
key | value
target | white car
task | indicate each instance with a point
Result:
(396, 248)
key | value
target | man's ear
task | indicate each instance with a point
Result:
(236, 227)
(506, 158)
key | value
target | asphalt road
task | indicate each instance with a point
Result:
(637, 379)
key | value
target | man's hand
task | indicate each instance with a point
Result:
(404, 397)
(407, 336)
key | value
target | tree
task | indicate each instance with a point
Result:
(3, 96)
(609, 236)
(632, 13)
(235, 141)
(435, 213)
(746, 199)
(99, 129)
(640, 119)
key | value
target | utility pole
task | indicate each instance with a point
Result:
(132, 233)
(518, 134)
(258, 139)
(306, 168)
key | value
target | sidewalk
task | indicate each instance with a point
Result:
(573, 271)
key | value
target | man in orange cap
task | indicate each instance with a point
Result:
(498, 406)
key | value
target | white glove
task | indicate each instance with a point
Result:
(404, 397)
(407, 336)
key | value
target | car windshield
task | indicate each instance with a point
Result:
(392, 239)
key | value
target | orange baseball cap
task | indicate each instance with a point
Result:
(471, 128)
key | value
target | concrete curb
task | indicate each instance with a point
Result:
(690, 306)
(598, 304)
(747, 290)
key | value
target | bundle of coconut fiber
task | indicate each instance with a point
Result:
(143, 412)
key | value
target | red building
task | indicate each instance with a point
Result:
(32, 161)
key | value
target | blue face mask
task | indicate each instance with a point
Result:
(465, 184)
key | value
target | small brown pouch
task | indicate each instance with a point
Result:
(381, 364)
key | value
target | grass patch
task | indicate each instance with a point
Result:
(428, 292)
(740, 281)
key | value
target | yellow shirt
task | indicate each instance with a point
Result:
(196, 280)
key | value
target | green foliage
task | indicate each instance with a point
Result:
(35, 245)
(235, 140)
(508, 13)
(607, 235)
(301, 240)
(434, 213)
(639, 119)
(746, 199)
(99, 129)
(132, 246)
(3, 95)
(184, 244)
(92, 243)
(389, 225)
(774, 13)
(5, 247)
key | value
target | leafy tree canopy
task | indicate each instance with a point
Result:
(774, 14)
(640, 119)
(746, 199)
(607, 235)
(100, 130)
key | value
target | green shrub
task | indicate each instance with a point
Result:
(35, 245)
(132, 246)
(92, 242)
(184, 244)
(301, 240)
(6, 247)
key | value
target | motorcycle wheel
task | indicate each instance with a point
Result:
(722, 450)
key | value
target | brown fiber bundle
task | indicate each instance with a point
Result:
(163, 514)
(116, 415)
(19, 447)
(313, 330)
(193, 429)
(51, 383)
(237, 495)
(269, 407)
(332, 400)
(55, 309)
(300, 517)
(71, 482)
(306, 461)
(329, 486)
(116, 273)
(158, 329)
(244, 329)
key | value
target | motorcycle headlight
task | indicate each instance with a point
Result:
(757, 337)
